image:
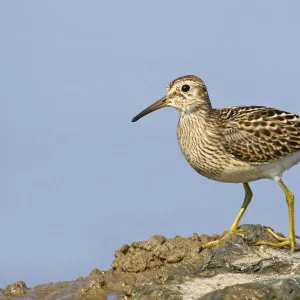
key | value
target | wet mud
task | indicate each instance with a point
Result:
(179, 268)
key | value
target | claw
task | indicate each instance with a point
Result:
(239, 232)
(276, 236)
(217, 242)
(276, 245)
(283, 241)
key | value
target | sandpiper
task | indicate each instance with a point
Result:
(238, 144)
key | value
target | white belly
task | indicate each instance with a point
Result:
(243, 172)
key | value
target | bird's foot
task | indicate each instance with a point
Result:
(283, 241)
(217, 242)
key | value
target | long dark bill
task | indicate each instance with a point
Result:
(155, 106)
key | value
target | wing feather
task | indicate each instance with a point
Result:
(259, 135)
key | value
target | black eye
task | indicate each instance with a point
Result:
(185, 88)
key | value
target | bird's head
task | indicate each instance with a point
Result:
(187, 94)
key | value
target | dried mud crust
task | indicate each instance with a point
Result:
(179, 268)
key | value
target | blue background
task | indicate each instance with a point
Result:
(77, 178)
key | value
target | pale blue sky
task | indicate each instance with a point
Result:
(78, 179)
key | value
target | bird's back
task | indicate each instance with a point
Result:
(259, 135)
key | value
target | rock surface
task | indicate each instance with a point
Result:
(236, 269)
(179, 268)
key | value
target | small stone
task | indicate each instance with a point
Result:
(95, 287)
(17, 289)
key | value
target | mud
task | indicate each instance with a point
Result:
(158, 252)
(179, 268)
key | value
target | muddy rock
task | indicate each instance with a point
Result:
(96, 273)
(95, 288)
(283, 289)
(16, 289)
(236, 269)
(179, 268)
(158, 252)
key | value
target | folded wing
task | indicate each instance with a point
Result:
(259, 135)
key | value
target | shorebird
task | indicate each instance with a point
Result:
(235, 145)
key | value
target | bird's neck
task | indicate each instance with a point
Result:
(197, 116)
(198, 125)
(198, 139)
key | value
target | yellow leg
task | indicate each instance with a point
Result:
(234, 226)
(291, 239)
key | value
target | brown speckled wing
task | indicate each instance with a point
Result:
(259, 135)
